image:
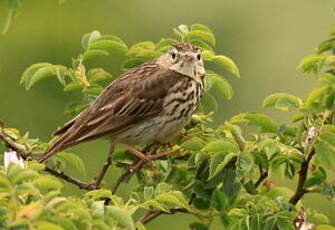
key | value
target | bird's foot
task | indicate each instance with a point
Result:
(147, 160)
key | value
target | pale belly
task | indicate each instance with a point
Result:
(153, 130)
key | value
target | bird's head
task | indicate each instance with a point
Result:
(184, 58)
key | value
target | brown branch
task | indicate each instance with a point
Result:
(98, 179)
(25, 155)
(301, 191)
(262, 177)
(152, 214)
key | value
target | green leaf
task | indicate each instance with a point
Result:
(174, 197)
(195, 144)
(265, 123)
(99, 194)
(64, 222)
(148, 192)
(209, 102)
(143, 50)
(325, 149)
(221, 84)
(48, 226)
(221, 146)
(4, 183)
(25, 175)
(202, 45)
(318, 176)
(122, 217)
(162, 188)
(47, 183)
(312, 64)
(111, 46)
(98, 74)
(198, 226)
(202, 35)
(93, 53)
(149, 204)
(226, 63)
(89, 38)
(326, 46)
(132, 63)
(73, 160)
(197, 26)
(30, 72)
(218, 163)
(282, 101)
(165, 44)
(324, 227)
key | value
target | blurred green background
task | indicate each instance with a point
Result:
(266, 38)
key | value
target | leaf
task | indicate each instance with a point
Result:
(318, 176)
(149, 204)
(195, 144)
(198, 226)
(25, 175)
(325, 148)
(148, 192)
(98, 74)
(324, 227)
(30, 71)
(174, 197)
(89, 38)
(221, 84)
(93, 53)
(265, 123)
(202, 35)
(164, 44)
(111, 46)
(143, 49)
(226, 63)
(99, 194)
(202, 45)
(132, 63)
(218, 163)
(326, 46)
(47, 183)
(162, 188)
(312, 64)
(197, 26)
(48, 226)
(282, 101)
(64, 222)
(209, 102)
(221, 146)
(73, 160)
(122, 217)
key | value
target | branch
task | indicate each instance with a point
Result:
(152, 214)
(262, 177)
(301, 191)
(25, 155)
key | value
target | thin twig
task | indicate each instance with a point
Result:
(261, 178)
(25, 154)
(70, 179)
(98, 179)
(152, 214)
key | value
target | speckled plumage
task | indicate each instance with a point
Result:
(150, 103)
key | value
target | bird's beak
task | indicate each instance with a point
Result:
(188, 58)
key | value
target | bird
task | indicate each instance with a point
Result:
(148, 104)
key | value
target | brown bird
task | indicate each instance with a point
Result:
(148, 104)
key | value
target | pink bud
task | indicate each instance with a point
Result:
(13, 157)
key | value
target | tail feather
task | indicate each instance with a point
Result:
(58, 146)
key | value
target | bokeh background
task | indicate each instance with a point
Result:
(266, 39)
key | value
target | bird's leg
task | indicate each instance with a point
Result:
(135, 152)
(145, 158)
(98, 179)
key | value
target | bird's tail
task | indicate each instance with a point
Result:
(56, 147)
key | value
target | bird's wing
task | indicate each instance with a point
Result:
(134, 97)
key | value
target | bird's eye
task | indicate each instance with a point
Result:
(199, 57)
(173, 55)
